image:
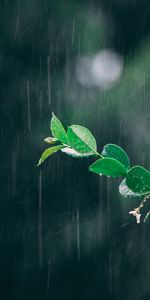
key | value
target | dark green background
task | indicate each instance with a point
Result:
(65, 233)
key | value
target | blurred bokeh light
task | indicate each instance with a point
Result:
(102, 70)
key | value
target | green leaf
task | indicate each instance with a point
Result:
(125, 191)
(74, 153)
(138, 180)
(50, 140)
(48, 152)
(58, 130)
(116, 152)
(109, 167)
(81, 139)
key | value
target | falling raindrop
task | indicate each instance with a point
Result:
(49, 80)
(73, 31)
(13, 173)
(78, 234)
(40, 103)
(17, 26)
(28, 105)
(79, 45)
(57, 51)
(40, 234)
(67, 64)
(48, 276)
(110, 271)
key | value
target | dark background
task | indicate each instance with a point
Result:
(65, 233)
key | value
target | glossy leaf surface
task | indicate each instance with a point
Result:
(48, 152)
(116, 152)
(81, 139)
(125, 191)
(58, 130)
(109, 167)
(138, 180)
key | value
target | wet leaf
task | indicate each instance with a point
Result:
(74, 153)
(81, 139)
(138, 180)
(58, 130)
(125, 191)
(116, 152)
(48, 152)
(109, 167)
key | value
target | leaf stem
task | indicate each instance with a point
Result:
(147, 216)
(142, 203)
(98, 154)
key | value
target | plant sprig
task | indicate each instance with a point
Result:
(113, 161)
